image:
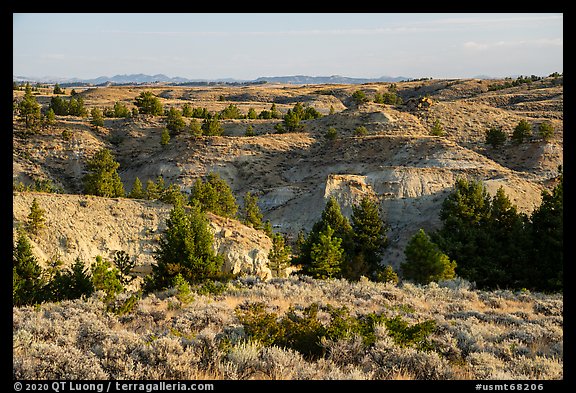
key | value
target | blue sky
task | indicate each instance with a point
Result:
(250, 45)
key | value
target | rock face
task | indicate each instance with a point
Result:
(80, 226)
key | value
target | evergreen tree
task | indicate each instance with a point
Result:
(97, 118)
(28, 283)
(73, 283)
(173, 195)
(546, 233)
(165, 137)
(214, 195)
(252, 114)
(107, 278)
(326, 255)
(137, 191)
(153, 190)
(333, 217)
(251, 215)
(58, 89)
(175, 122)
(279, 256)
(121, 110)
(187, 110)
(211, 126)
(521, 132)
(195, 128)
(369, 236)
(546, 131)
(102, 178)
(249, 131)
(29, 108)
(186, 249)
(495, 137)
(49, 118)
(35, 218)
(148, 104)
(437, 129)
(425, 262)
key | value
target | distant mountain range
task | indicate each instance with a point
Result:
(161, 78)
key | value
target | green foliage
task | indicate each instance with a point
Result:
(495, 137)
(211, 126)
(125, 265)
(250, 214)
(165, 137)
(303, 331)
(137, 191)
(35, 218)
(214, 195)
(249, 131)
(521, 132)
(495, 246)
(360, 131)
(49, 118)
(173, 195)
(359, 97)
(195, 128)
(292, 121)
(185, 248)
(58, 89)
(187, 110)
(231, 112)
(102, 178)
(97, 119)
(369, 237)
(121, 110)
(546, 131)
(327, 256)
(252, 114)
(437, 129)
(29, 108)
(175, 122)
(28, 283)
(386, 275)
(183, 290)
(389, 98)
(279, 256)
(331, 134)
(107, 278)
(546, 234)
(72, 283)
(333, 217)
(148, 104)
(425, 262)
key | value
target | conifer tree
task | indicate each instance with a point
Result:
(28, 283)
(326, 255)
(137, 191)
(102, 178)
(251, 215)
(279, 255)
(35, 218)
(186, 249)
(425, 262)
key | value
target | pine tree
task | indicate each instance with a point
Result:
(165, 137)
(72, 283)
(326, 255)
(214, 195)
(148, 103)
(28, 283)
(175, 122)
(521, 132)
(29, 108)
(425, 262)
(35, 218)
(102, 178)
(279, 256)
(97, 118)
(369, 234)
(137, 191)
(185, 248)
(107, 278)
(251, 215)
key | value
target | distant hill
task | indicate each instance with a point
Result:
(304, 79)
(143, 78)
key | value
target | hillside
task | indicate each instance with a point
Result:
(398, 162)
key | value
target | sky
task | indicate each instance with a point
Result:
(246, 46)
